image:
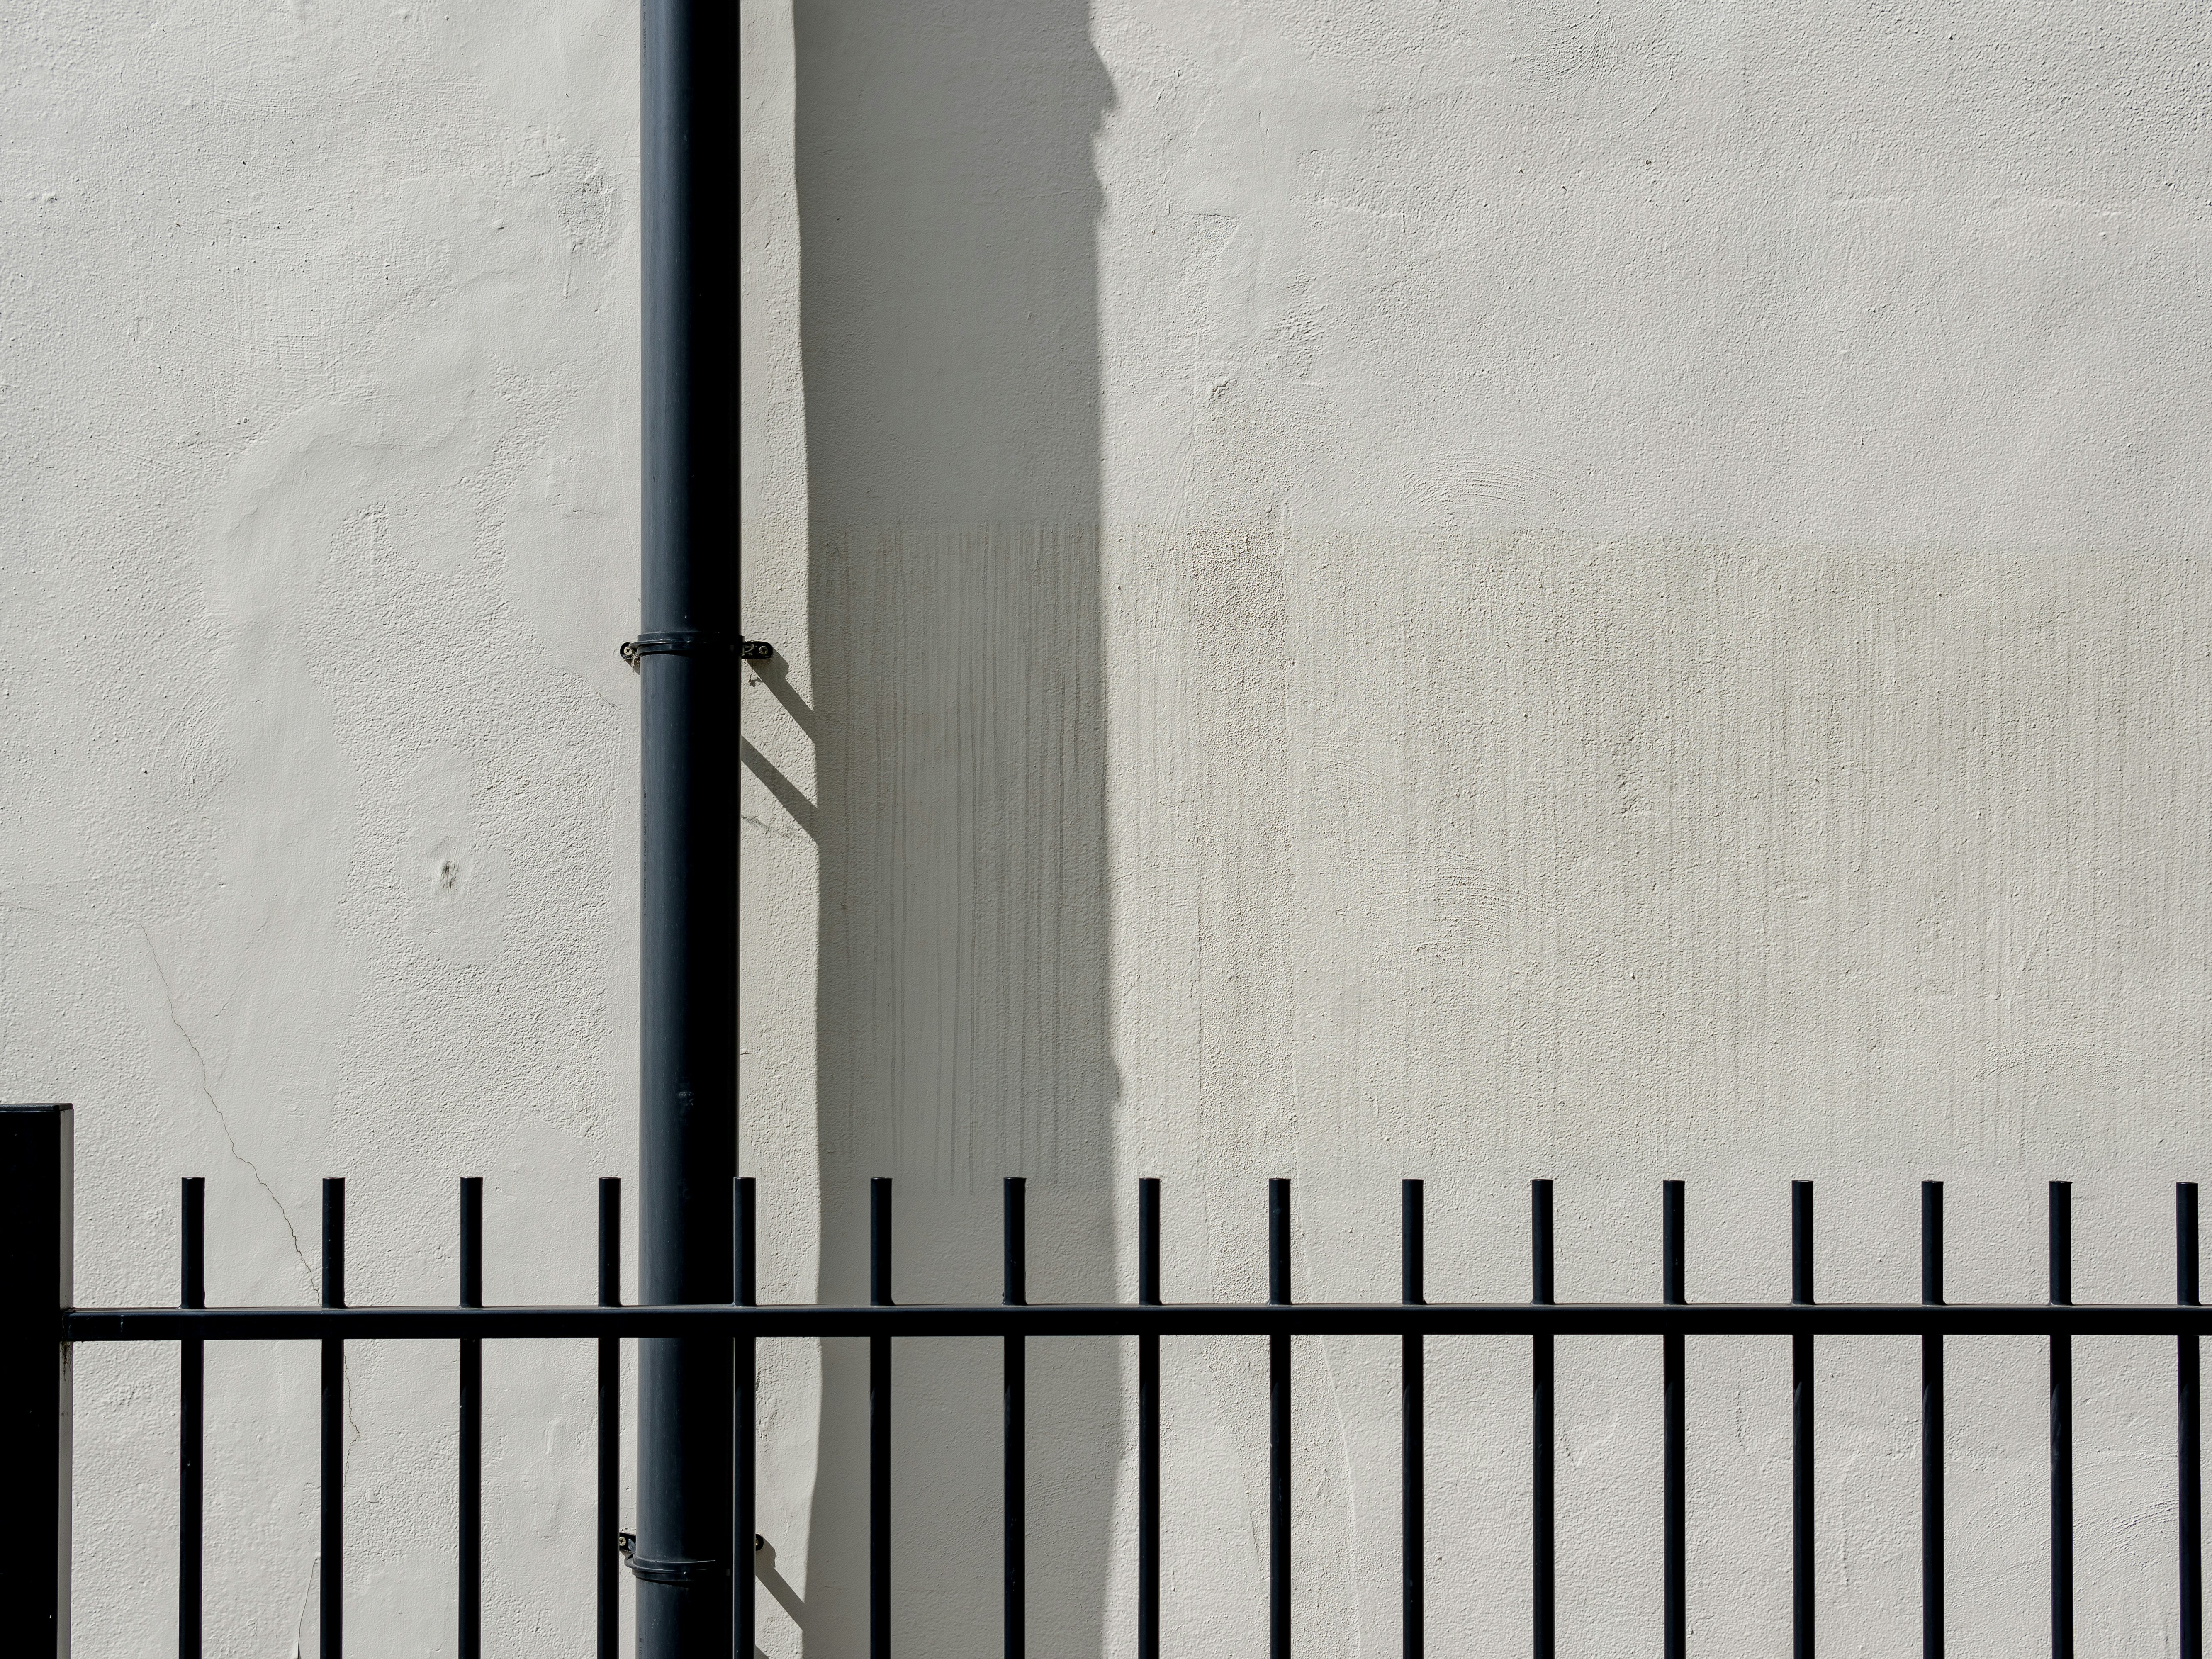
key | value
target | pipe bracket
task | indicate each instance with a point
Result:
(689, 643)
(677, 1571)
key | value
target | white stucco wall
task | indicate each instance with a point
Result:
(1608, 592)
(317, 815)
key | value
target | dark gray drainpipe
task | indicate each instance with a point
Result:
(687, 658)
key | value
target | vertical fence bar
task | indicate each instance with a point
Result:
(470, 1542)
(1800, 1424)
(1148, 1425)
(1673, 1290)
(879, 1424)
(2188, 1485)
(1014, 1505)
(1931, 1426)
(1541, 1558)
(2062, 1427)
(35, 1205)
(608, 1563)
(1412, 1509)
(191, 1397)
(1278, 1427)
(745, 1478)
(333, 1471)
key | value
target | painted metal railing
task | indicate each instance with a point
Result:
(37, 1324)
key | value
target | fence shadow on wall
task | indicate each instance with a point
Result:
(948, 201)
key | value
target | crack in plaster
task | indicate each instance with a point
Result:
(306, 1601)
(1351, 1477)
(353, 1423)
(780, 831)
(345, 1395)
(589, 685)
(199, 1060)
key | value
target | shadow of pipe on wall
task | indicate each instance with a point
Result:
(948, 201)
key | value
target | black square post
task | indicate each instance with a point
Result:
(35, 1201)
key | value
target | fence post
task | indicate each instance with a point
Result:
(34, 1379)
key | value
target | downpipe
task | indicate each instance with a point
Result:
(686, 655)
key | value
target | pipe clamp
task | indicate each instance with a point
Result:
(689, 643)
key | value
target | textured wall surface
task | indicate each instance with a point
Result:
(1599, 591)
(317, 838)
(1608, 591)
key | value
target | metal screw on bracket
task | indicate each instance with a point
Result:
(759, 1543)
(625, 1545)
(754, 650)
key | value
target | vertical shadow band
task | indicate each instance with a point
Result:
(948, 203)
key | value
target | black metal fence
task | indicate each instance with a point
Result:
(35, 1334)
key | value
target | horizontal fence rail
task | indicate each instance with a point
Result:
(28, 1328)
(1125, 1319)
